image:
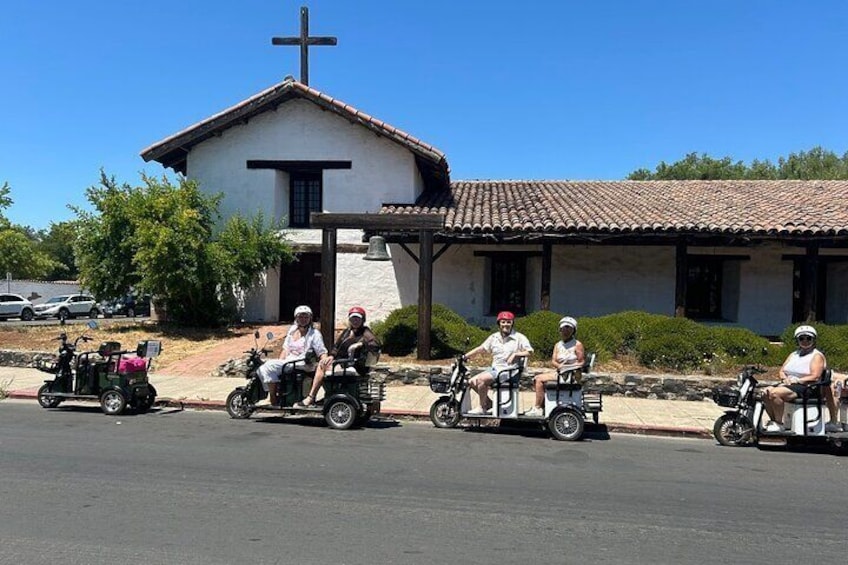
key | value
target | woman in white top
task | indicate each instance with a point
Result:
(567, 352)
(301, 339)
(805, 365)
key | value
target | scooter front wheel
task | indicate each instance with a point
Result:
(733, 429)
(444, 413)
(237, 405)
(45, 399)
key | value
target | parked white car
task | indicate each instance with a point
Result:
(15, 306)
(68, 306)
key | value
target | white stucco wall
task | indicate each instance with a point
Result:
(39, 291)
(381, 171)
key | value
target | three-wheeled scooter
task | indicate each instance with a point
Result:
(566, 407)
(804, 418)
(107, 374)
(351, 394)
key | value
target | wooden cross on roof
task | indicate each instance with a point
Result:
(304, 41)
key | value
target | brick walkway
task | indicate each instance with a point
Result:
(202, 364)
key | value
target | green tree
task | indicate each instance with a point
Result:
(817, 163)
(159, 237)
(18, 253)
(57, 242)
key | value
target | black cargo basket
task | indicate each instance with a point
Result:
(726, 397)
(439, 383)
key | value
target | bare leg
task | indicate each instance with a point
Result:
(480, 384)
(272, 393)
(539, 387)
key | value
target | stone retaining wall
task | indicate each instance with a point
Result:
(669, 387)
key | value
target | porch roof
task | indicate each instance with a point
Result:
(770, 208)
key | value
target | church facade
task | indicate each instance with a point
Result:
(739, 253)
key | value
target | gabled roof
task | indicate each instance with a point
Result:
(171, 151)
(770, 208)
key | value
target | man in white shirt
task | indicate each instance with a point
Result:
(506, 346)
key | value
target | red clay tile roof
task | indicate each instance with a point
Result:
(172, 150)
(767, 208)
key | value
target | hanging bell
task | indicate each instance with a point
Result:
(377, 249)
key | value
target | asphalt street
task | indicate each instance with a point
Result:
(78, 487)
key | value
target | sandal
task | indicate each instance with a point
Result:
(308, 401)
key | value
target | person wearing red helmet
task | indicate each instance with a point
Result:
(355, 336)
(506, 346)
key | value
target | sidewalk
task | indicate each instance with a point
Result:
(181, 385)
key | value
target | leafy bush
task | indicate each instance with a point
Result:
(542, 330)
(657, 341)
(450, 333)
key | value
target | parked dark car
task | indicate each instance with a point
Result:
(129, 306)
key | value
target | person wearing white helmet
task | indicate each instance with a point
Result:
(301, 339)
(568, 352)
(803, 366)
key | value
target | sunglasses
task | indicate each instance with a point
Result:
(805, 338)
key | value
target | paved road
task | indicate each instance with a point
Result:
(77, 487)
(82, 320)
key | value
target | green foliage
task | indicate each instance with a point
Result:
(542, 331)
(57, 242)
(19, 256)
(450, 333)
(817, 163)
(18, 252)
(159, 238)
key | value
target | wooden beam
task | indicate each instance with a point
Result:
(547, 252)
(809, 283)
(681, 277)
(425, 293)
(297, 165)
(377, 221)
(328, 286)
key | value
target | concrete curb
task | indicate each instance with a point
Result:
(635, 429)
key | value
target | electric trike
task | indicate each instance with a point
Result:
(566, 406)
(804, 418)
(351, 395)
(116, 378)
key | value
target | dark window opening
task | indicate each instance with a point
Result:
(703, 287)
(305, 190)
(509, 283)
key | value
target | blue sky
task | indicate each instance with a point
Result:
(554, 89)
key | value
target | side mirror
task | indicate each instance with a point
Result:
(269, 336)
(92, 325)
(256, 334)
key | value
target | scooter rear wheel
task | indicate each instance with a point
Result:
(732, 430)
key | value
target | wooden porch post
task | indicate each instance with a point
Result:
(328, 286)
(425, 292)
(682, 272)
(811, 283)
(545, 302)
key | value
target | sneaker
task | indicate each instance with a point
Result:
(830, 427)
(534, 412)
(774, 427)
(478, 412)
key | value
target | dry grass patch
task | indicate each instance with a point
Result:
(177, 343)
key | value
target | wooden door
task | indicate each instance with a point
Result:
(300, 283)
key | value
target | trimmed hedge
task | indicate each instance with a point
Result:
(450, 333)
(656, 341)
